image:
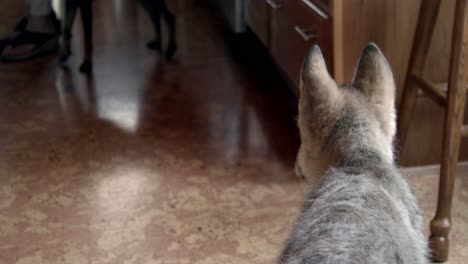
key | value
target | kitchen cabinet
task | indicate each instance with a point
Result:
(295, 29)
(257, 16)
(289, 29)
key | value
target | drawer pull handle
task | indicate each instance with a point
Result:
(305, 33)
(315, 8)
(273, 4)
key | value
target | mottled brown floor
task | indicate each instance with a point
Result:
(154, 162)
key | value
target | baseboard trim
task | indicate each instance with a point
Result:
(462, 167)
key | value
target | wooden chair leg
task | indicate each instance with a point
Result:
(421, 43)
(458, 81)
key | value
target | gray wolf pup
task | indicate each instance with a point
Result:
(362, 209)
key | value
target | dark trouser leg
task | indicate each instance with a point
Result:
(153, 11)
(170, 20)
(70, 12)
(87, 19)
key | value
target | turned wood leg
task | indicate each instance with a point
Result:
(440, 225)
(458, 80)
(421, 43)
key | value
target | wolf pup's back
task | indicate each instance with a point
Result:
(361, 210)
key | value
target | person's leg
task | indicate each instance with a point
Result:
(41, 17)
(39, 7)
(87, 20)
(70, 13)
(170, 20)
(37, 36)
(153, 11)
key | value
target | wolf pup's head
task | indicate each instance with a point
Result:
(340, 124)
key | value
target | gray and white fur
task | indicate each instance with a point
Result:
(362, 209)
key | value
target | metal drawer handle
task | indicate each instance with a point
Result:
(315, 8)
(273, 4)
(305, 33)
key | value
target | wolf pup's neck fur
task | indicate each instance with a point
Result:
(362, 210)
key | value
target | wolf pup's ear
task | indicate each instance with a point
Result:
(374, 78)
(317, 83)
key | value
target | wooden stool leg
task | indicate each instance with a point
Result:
(422, 39)
(458, 80)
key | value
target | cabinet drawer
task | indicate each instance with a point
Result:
(295, 29)
(257, 16)
(321, 7)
